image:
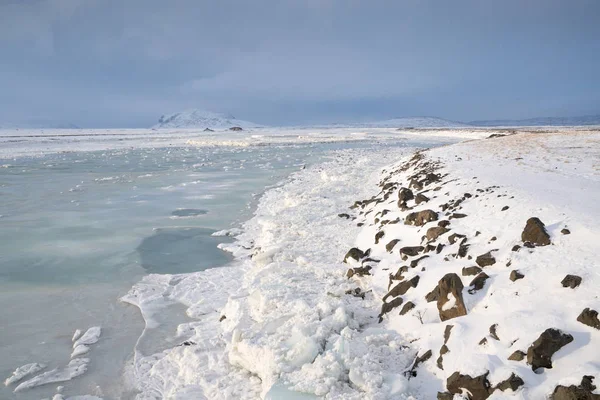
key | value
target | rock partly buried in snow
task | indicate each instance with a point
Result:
(485, 260)
(535, 233)
(421, 198)
(411, 251)
(589, 317)
(387, 307)
(356, 254)
(517, 356)
(390, 246)
(582, 392)
(402, 288)
(434, 295)
(435, 232)
(407, 307)
(405, 195)
(539, 354)
(470, 271)
(479, 387)
(378, 236)
(236, 128)
(478, 282)
(571, 281)
(515, 275)
(420, 218)
(565, 231)
(359, 271)
(513, 383)
(450, 302)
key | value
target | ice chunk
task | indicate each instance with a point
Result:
(23, 371)
(76, 367)
(79, 350)
(76, 335)
(91, 336)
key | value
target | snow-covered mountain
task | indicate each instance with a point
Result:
(542, 121)
(201, 119)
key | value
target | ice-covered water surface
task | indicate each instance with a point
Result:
(77, 230)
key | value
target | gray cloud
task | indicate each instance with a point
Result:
(123, 63)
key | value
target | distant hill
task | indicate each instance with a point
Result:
(38, 124)
(201, 119)
(403, 122)
(543, 121)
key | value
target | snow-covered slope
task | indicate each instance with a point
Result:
(542, 121)
(201, 119)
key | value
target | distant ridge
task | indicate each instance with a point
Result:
(38, 124)
(202, 119)
(543, 121)
(404, 122)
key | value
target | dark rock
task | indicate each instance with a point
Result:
(457, 215)
(513, 383)
(517, 356)
(357, 292)
(454, 237)
(478, 282)
(420, 218)
(387, 307)
(447, 331)
(440, 360)
(402, 288)
(483, 342)
(467, 195)
(444, 223)
(433, 295)
(582, 392)
(589, 317)
(407, 307)
(571, 281)
(535, 233)
(421, 359)
(493, 332)
(478, 387)
(435, 232)
(428, 248)
(485, 260)
(439, 248)
(414, 263)
(355, 254)
(405, 194)
(463, 249)
(565, 231)
(191, 342)
(451, 284)
(344, 215)
(222, 318)
(516, 247)
(445, 396)
(470, 271)
(411, 251)
(415, 184)
(378, 236)
(421, 198)
(539, 354)
(236, 128)
(515, 275)
(390, 246)
(504, 208)
(360, 271)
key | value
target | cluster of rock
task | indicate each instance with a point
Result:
(450, 290)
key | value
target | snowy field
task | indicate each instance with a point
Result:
(292, 318)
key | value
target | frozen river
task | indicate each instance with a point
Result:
(78, 229)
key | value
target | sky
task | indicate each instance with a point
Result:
(124, 63)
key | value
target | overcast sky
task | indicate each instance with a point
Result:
(123, 63)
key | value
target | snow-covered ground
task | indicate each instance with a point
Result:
(285, 321)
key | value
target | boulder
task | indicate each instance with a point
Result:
(589, 317)
(478, 282)
(515, 275)
(402, 288)
(360, 271)
(407, 307)
(421, 198)
(390, 246)
(387, 307)
(485, 260)
(450, 302)
(420, 218)
(565, 231)
(414, 263)
(454, 237)
(356, 254)
(535, 233)
(493, 332)
(435, 232)
(582, 392)
(433, 295)
(470, 271)
(517, 356)
(444, 223)
(378, 236)
(571, 281)
(405, 194)
(539, 354)
(411, 251)
(344, 215)
(478, 387)
(513, 383)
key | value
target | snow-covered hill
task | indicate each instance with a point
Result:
(543, 121)
(202, 119)
(403, 122)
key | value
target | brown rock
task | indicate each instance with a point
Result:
(582, 392)
(421, 198)
(450, 290)
(478, 282)
(387, 307)
(571, 281)
(355, 254)
(444, 223)
(433, 295)
(402, 288)
(407, 307)
(493, 332)
(539, 354)
(589, 317)
(378, 236)
(390, 246)
(405, 194)
(420, 218)
(515, 275)
(414, 263)
(435, 232)
(485, 260)
(517, 356)
(535, 233)
(457, 215)
(478, 387)
(454, 237)
(411, 251)
(513, 383)
(565, 231)
(469, 271)
(360, 271)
